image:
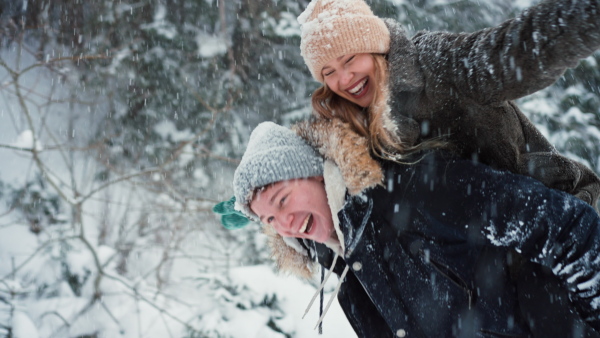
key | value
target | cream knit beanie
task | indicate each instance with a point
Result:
(333, 28)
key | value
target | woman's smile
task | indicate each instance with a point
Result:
(359, 88)
(351, 77)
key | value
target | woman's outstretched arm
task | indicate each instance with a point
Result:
(516, 58)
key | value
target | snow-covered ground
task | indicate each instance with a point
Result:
(131, 309)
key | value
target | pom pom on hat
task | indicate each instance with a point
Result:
(333, 28)
(274, 154)
(230, 218)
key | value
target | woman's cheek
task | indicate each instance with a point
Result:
(330, 82)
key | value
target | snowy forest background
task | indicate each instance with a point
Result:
(120, 125)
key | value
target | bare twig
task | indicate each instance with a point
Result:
(37, 251)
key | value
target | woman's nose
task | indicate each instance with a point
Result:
(345, 77)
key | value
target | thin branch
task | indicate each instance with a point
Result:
(34, 151)
(149, 302)
(65, 322)
(120, 179)
(209, 154)
(30, 150)
(112, 316)
(65, 58)
(44, 245)
(166, 324)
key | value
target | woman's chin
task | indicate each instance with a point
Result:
(363, 101)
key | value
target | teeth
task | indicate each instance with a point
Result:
(303, 227)
(358, 88)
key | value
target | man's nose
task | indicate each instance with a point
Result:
(286, 221)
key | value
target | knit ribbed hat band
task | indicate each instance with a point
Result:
(274, 154)
(333, 28)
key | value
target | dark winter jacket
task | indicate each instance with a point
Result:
(449, 247)
(461, 86)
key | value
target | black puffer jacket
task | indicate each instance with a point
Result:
(460, 85)
(449, 248)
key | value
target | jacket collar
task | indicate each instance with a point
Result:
(349, 170)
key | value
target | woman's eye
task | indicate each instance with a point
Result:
(282, 200)
(270, 219)
(350, 59)
(328, 73)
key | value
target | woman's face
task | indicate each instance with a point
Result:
(352, 77)
(296, 208)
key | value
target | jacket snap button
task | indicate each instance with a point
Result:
(401, 333)
(356, 266)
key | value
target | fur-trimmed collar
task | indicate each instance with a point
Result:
(349, 168)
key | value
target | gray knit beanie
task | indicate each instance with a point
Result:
(274, 154)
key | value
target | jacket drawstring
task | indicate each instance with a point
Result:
(335, 292)
(321, 300)
(323, 281)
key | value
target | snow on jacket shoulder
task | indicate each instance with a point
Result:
(460, 86)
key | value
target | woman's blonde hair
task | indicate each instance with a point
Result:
(369, 122)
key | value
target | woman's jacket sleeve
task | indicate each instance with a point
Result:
(516, 58)
(545, 226)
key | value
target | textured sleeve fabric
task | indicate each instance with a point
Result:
(502, 209)
(516, 58)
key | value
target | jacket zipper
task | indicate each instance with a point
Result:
(458, 281)
(453, 277)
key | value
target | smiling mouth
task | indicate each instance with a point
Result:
(358, 89)
(307, 226)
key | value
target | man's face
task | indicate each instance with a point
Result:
(296, 208)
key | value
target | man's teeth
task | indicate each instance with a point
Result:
(358, 88)
(303, 227)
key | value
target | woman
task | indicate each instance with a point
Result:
(399, 91)
(443, 247)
